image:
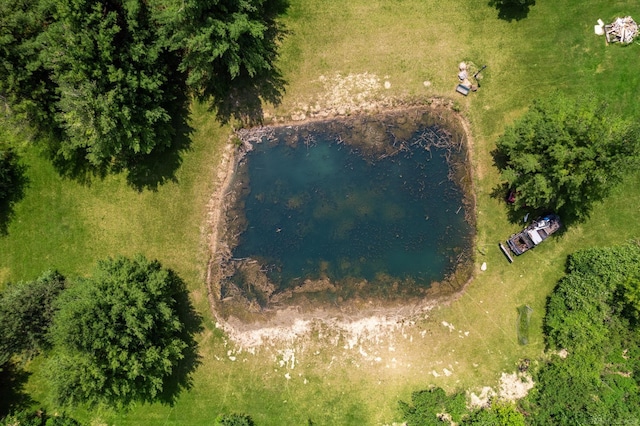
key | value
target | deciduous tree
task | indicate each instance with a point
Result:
(598, 380)
(119, 336)
(428, 406)
(565, 155)
(40, 417)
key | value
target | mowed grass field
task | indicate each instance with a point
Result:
(68, 226)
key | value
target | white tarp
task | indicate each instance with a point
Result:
(535, 237)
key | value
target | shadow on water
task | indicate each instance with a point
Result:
(181, 379)
(12, 394)
(512, 10)
(13, 184)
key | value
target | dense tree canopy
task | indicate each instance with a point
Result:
(25, 84)
(223, 43)
(109, 79)
(118, 335)
(503, 413)
(428, 406)
(589, 317)
(40, 417)
(566, 155)
(592, 317)
(113, 79)
(434, 407)
(594, 291)
(26, 312)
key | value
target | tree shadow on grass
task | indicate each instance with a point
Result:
(516, 211)
(242, 99)
(512, 10)
(12, 395)
(13, 184)
(181, 378)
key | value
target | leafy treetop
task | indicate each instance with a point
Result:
(590, 316)
(565, 155)
(118, 337)
(26, 312)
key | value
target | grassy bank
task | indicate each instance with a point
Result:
(65, 225)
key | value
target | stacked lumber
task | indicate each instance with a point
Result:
(622, 30)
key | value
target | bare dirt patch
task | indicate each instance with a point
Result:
(512, 386)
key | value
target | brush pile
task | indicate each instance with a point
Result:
(622, 30)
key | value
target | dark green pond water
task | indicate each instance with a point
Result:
(320, 205)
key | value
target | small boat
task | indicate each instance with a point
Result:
(538, 231)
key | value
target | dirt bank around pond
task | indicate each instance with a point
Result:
(298, 312)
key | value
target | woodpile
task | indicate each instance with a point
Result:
(622, 30)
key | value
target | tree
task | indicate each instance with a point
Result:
(429, 406)
(565, 155)
(38, 417)
(25, 84)
(234, 420)
(26, 312)
(499, 413)
(598, 382)
(109, 79)
(629, 294)
(228, 50)
(119, 336)
(114, 79)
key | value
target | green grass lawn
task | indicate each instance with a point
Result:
(65, 225)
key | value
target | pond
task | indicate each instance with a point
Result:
(371, 206)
